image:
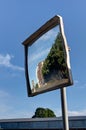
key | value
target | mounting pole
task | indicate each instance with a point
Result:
(64, 109)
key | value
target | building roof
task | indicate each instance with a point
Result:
(42, 119)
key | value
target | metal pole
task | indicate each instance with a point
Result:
(64, 109)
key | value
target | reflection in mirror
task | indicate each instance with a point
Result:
(47, 65)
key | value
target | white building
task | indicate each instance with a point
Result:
(39, 75)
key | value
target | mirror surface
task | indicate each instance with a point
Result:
(47, 65)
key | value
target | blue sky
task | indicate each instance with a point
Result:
(18, 20)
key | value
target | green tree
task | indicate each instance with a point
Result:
(43, 112)
(55, 60)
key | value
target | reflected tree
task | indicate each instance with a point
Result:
(55, 62)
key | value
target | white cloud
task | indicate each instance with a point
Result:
(4, 107)
(5, 60)
(77, 113)
(8, 112)
(48, 35)
(39, 55)
(76, 81)
(57, 112)
(79, 85)
(3, 94)
(20, 114)
(83, 86)
(71, 113)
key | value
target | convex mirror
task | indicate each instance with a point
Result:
(47, 62)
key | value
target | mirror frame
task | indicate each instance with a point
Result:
(56, 20)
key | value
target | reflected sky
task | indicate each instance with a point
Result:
(38, 51)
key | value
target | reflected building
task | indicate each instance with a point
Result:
(33, 85)
(39, 75)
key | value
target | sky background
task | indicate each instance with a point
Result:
(18, 20)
